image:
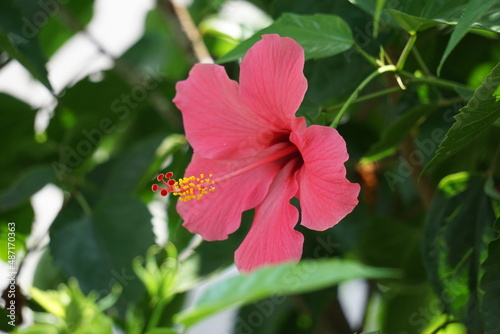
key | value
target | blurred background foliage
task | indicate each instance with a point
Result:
(422, 134)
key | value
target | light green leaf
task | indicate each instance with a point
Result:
(79, 313)
(162, 331)
(473, 10)
(287, 279)
(473, 120)
(396, 133)
(320, 35)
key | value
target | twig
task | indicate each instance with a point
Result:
(364, 98)
(354, 95)
(171, 8)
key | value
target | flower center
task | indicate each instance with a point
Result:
(192, 187)
(187, 188)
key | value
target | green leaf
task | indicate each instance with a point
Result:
(413, 24)
(98, 246)
(20, 39)
(473, 10)
(287, 279)
(473, 120)
(130, 168)
(162, 331)
(392, 244)
(418, 15)
(20, 150)
(320, 35)
(28, 183)
(376, 17)
(490, 284)
(396, 133)
(58, 28)
(400, 304)
(456, 233)
(79, 313)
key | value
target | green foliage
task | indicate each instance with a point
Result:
(320, 35)
(75, 312)
(490, 284)
(456, 235)
(20, 39)
(285, 279)
(473, 120)
(473, 10)
(25, 186)
(396, 133)
(424, 236)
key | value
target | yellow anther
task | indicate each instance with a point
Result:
(193, 187)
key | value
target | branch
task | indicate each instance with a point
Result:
(179, 14)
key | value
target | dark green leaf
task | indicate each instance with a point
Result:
(392, 244)
(20, 150)
(285, 279)
(65, 20)
(473, 120)
(130, 168)
(20, 39)
(276, 311)
(490, 284)
(413, 24)
(396, 133)
(456, 233)
(473, 10)
(320, 35)
(97, 247)
(406, 308)
(28, 183)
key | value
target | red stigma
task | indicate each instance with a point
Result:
(169, 184)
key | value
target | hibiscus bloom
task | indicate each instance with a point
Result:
(250, 151)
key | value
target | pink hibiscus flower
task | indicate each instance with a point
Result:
(250, 151)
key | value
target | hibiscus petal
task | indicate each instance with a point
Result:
(218, 213)
(272, 82)
(272, 238)
(217, 123)
(326, 196)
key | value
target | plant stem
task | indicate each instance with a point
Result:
(191, 32)
(364, 98)
(421, 62)
(354, 95)
(83, 203)
(365, 55)
(406, 51)
(434, 81)
(157, 312)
